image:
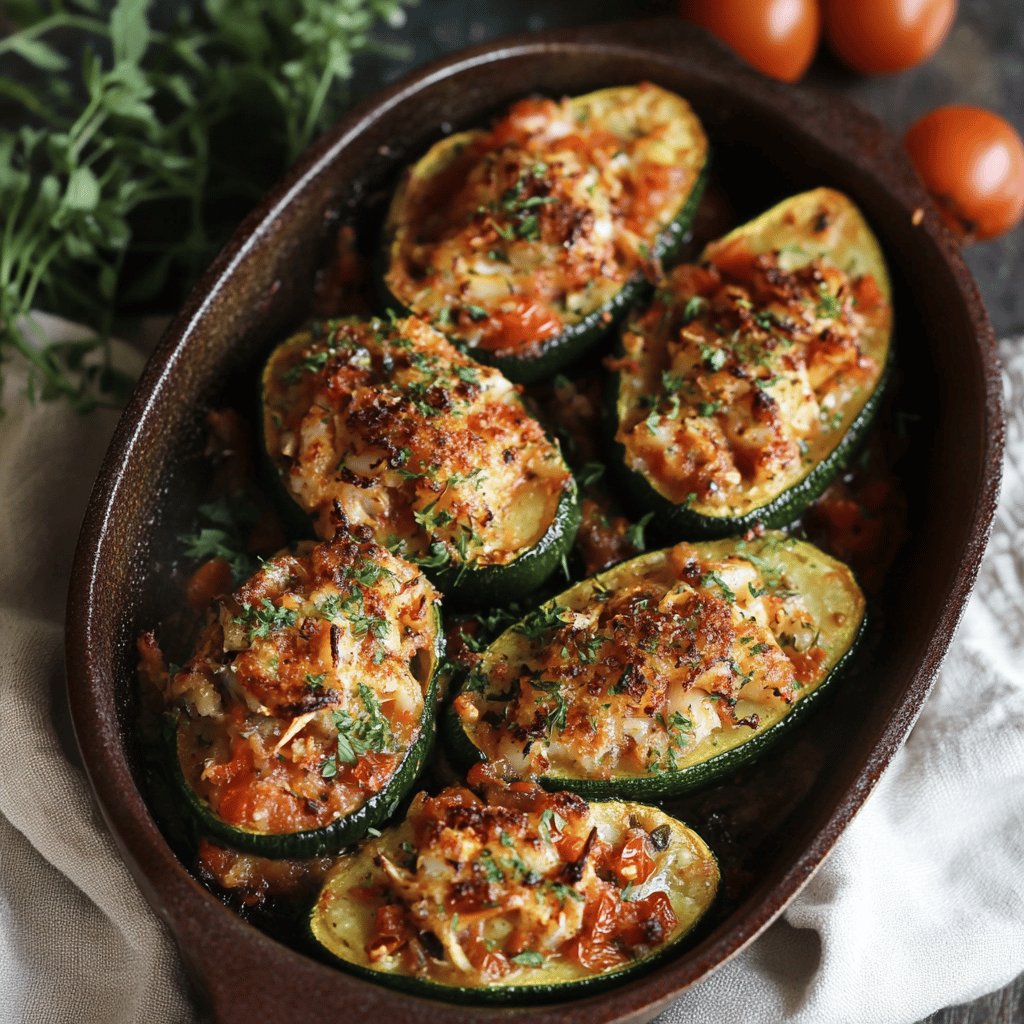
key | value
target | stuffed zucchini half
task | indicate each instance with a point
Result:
(521, 896)
(742, 389)
(524, 243)
(308, 708)
(389, 426)
(665, 671)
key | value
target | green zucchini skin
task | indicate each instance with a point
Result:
(490, 585)
(556, 354)
(532, 994)
(675, 521)
(330, 839)
(467, 585)
(519, 995)
(665, 784)
(343, 832)
(464, 753)
(462, 583)
(627, 112)
(679, 522)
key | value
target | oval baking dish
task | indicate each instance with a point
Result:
(768, 829)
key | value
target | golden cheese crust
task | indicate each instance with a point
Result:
(391, 427)
(747, 369)
(636, 680)
(307, 686)
(516, 887)
(504, 237)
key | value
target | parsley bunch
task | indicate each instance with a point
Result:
(140, 137)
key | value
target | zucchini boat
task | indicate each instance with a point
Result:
(744, 387)
(665, 671)
(308, 708)
(526, 242)
(520, 896)
(389, 426)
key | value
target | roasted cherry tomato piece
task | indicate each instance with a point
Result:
(634, 861)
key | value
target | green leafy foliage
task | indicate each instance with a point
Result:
(265, 619)
(222, 529)
(140, 139)
(370, 731)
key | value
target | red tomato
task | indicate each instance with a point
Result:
(390, 931)
(634, 862)
(778, 37)
(878, 37)
(211, 580)
(972, 162)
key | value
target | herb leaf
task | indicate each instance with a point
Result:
(141, 147)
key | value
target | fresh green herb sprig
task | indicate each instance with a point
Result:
(222, 529)
(140, 139)
(370, 731)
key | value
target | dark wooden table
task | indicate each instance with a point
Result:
(981, 63)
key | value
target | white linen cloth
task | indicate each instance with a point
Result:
(920, 905)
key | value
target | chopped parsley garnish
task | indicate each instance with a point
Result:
(555, 718)
(634, 534)
(549, 818)
(693, 307)
(487, 865)
(771, 572)
(330, 607)
(539, 623)
(265, 619)
(564, 892)
(726, 590)
(309, 364)
(314, 682)
(437, 555)
(680, 729)
(362, 623)
(829, 305)
(371, 731)
(430, 519)
(368, 573)
(714, 358)
(528, 958)
(587, 646)
(224, 526)
(628, 674)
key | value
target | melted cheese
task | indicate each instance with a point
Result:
(748, 369)
(518, 887)
(506, 236)
(661, 662)
(397, 430)
(309, 686)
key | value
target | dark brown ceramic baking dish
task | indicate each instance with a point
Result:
(773, 825)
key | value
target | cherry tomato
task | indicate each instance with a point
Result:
(878, 37)
(778, 37)
(972, 162)
(634, 862)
